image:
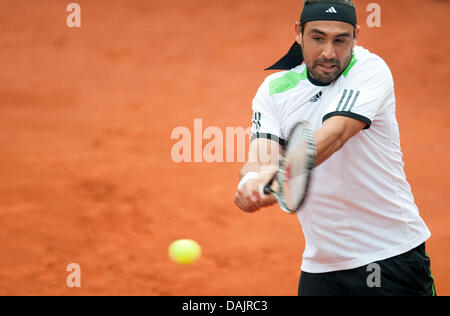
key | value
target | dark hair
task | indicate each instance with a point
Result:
(347, 2)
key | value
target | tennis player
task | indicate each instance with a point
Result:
(359, 218)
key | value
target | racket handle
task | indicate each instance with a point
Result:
(267, 190)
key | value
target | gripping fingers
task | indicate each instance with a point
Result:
(263, 190)
(245, 203)
(249, 201)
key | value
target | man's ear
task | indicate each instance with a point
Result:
(355, 40)
(298, 33)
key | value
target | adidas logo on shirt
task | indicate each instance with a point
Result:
(331, 10)
(316, 97)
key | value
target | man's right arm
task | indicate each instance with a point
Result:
(261, 166)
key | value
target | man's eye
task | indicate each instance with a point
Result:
(317, 39)
(339, 41)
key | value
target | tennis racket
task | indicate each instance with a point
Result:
(295, 167)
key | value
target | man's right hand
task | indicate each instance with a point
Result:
(249, 199)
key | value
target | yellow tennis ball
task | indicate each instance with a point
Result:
(184, 251)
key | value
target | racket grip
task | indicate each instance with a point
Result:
(266, 189)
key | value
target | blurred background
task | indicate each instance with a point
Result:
(86, 115)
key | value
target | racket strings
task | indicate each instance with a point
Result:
(297, 167)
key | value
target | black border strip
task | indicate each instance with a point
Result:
(279, 140)
(349, 114)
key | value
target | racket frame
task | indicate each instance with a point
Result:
(310, 150)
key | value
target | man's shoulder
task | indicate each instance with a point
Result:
(283, 81)
(365, 65)
(366, 61)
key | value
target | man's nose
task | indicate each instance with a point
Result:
(329, 51)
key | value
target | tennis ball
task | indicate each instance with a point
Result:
(184, 251)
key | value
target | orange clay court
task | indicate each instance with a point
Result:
(86, 115)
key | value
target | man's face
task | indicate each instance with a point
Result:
(327, 48)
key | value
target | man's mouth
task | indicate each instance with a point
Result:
(327, 68)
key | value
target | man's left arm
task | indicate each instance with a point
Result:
(333, 134)
(367, 91)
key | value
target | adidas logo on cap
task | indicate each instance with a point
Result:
(331, 10)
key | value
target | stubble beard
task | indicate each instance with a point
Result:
(329, 75)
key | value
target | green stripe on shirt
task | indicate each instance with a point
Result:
(287, 82)
(350, 66)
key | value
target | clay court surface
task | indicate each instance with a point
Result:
(86, 115)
